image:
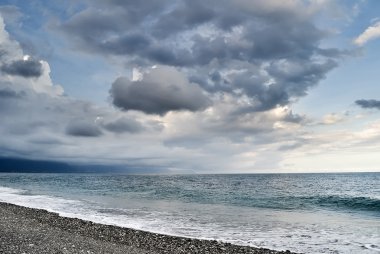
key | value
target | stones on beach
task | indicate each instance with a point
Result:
(42, 230)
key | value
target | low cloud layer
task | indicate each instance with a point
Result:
(81, 128)
(124, 125)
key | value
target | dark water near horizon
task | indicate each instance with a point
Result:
(310, 213)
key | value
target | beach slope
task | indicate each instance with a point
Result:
(27, 230)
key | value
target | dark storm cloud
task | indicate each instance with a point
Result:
(291, 81)
(291, 38)
(7, 93)
(128, 44)
(26, 68)
(186, 15)
(273, 48)
(368, 103)
(83, 129)
(158, 94)
(296, 74)
(114, 20)
(167, 56)
(268, 35)
(122, 125)
(46, 141)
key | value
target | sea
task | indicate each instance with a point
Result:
(307, 213)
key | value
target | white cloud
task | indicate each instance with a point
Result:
(11, 51)
(227, 136)
(137, 75)
(371, 33)
(336, 150)
(9, 48)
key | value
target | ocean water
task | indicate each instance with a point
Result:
(308, 213)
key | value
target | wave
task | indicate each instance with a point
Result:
(250, 227)
(335, 202)
(346, 202)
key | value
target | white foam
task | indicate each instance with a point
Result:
(6, 190)
(49, 203)
(67, 208)
(313, 232)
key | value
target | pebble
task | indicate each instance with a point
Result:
(50, 233)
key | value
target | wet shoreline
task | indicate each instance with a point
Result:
(29, 230)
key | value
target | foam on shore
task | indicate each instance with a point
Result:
(59, 233)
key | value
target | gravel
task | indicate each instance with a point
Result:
(29, 231)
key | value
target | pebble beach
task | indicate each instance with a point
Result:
(28, 230)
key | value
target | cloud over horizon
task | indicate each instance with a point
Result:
(186, 86)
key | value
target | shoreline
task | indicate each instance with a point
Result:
(30, 230)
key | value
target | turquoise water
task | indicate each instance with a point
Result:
(310, 213)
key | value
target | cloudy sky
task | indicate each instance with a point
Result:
(192, 86)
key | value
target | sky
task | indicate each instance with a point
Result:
(192, 86)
